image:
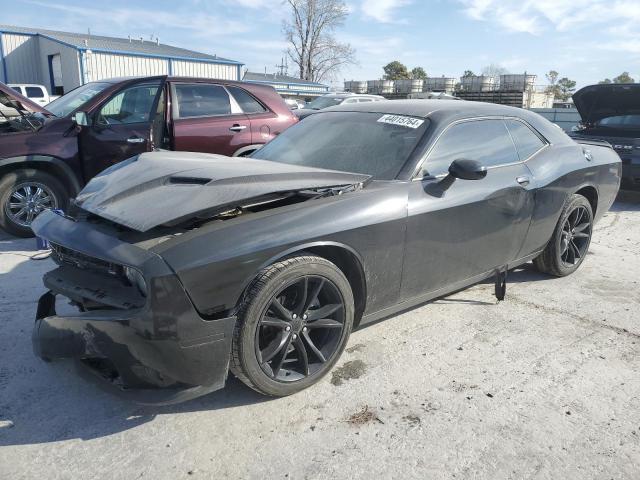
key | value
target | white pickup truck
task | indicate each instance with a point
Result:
(36, 93)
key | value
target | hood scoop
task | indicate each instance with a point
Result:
(189, 181)
(166, 188)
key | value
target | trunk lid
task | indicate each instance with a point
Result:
(166, 188)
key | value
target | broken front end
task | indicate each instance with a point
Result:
(134, 324)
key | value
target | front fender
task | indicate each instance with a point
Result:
(49, 163)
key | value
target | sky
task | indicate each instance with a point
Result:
(585, 40)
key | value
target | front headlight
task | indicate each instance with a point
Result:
(136, 278)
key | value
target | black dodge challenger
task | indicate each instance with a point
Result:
(184, 266)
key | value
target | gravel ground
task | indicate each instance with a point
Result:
(543, 385)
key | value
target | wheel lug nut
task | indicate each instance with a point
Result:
(294, 316)
(304, 317)
(304, 329)
(295, 336)
(288, 328)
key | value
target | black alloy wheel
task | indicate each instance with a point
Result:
(569, 244)
(575, 237)
(292, 326)
(300, 329)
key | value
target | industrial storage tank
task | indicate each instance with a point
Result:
(477, 83)
(517, 83)
(439, 84)
(355, 86)
(409, 86)
(380, 86)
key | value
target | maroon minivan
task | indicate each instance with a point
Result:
(48, 153)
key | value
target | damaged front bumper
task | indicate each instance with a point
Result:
(155, 350)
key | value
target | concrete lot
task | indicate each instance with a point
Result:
(543, 385)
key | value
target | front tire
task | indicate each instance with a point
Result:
(26, 193)
(292, 326)
(570, 242)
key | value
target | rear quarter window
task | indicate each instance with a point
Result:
(247, 102)
(527, 142)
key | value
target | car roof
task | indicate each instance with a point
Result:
(426, 108)
(445, 111)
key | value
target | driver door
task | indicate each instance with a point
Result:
(460, 229)
(121, 126)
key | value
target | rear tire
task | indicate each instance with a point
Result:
(307, 341)
(569, 244)
(46, 192)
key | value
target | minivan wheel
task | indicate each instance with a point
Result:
(26, 193)
(292, 326)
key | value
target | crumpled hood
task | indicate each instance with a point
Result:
(596, 102)
(161, 188)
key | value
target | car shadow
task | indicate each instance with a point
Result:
(626, 201)
(49, 402)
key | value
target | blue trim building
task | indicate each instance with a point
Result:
(63, 60)
(287, 86)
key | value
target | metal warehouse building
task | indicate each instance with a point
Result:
(62, 61)
(288, 87)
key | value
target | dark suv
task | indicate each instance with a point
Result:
(48, 153)
(611, 112)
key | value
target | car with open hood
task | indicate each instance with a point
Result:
(611, 112)
(48, 153)
(185, 267)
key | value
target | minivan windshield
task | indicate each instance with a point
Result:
(324, 102)
(63, 106)
(375, 144)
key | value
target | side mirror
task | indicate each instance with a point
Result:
(81, 119)
(467, 169)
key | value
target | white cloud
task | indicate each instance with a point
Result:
(382, 10)
(537, 16)
(202, 25)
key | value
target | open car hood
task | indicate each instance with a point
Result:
(12, 100)
(166, 188)
(596, 102)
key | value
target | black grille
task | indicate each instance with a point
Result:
(65, 256)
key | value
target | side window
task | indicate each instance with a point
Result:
(486, 141)
(131, 105)
(363, 100)
(34, 92)
(201, 100)
(246, 100)
(17, 89)
(526, 141)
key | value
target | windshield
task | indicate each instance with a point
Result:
(374, 144)
(63, 106)
(620, 121)
(324, 102)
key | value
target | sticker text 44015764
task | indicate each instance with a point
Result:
(401, 120)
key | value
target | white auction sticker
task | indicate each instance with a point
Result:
(401, 120)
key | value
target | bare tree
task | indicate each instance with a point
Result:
(312, 45)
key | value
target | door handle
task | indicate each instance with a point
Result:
(135, 140)
(237, 128)
(524, 181)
